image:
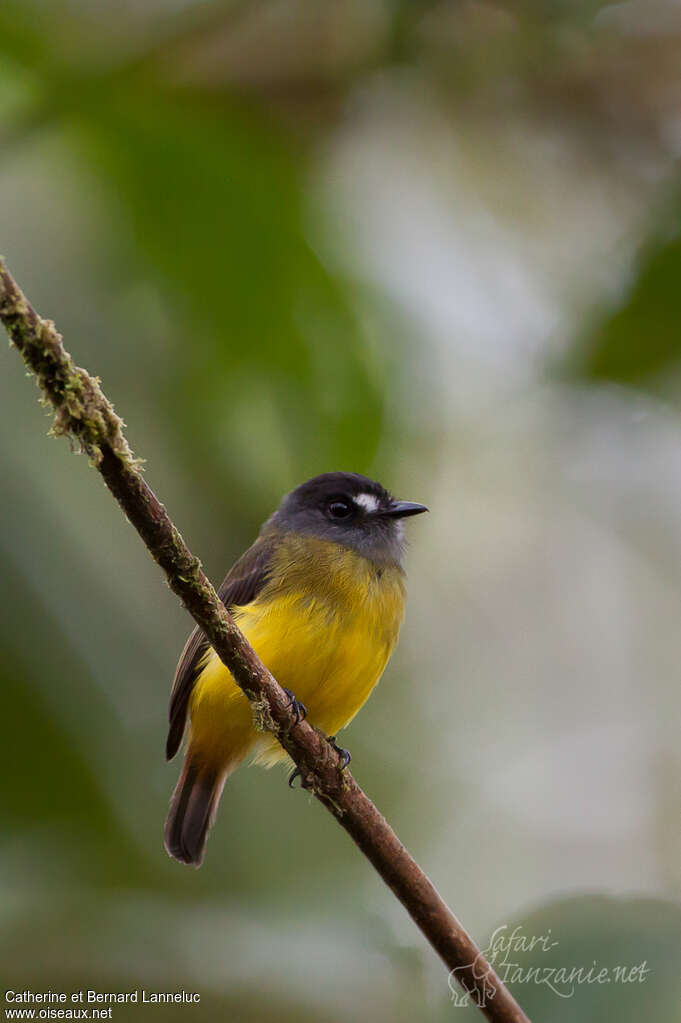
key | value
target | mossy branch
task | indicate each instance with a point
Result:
(84, 414)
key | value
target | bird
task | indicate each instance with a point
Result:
(320, 597)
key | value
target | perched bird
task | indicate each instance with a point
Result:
(320, 597)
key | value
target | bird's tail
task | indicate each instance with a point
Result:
(193, 807)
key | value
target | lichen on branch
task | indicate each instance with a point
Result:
(81, 410)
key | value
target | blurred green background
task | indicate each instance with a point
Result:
(434, 242)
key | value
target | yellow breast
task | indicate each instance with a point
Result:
(325, 625)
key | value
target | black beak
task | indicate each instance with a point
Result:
(401, 509)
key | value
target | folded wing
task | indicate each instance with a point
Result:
(241, 585)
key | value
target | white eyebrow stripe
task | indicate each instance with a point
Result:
(368, 501)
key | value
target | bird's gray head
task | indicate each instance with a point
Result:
(351, 510)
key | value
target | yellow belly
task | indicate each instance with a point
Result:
(329, 649)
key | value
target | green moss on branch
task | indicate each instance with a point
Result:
(82, 411)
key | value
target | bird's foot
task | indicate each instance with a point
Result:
(299, 709)
(344, 754)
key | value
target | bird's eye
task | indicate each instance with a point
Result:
(339, 509)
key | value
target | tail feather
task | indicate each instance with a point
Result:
(192, 811)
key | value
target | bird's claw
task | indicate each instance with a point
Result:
(344, 754)
(298, 708)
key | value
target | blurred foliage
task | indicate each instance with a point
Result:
(185, 270)
(639, 343)
(266, 340)
(268, 344)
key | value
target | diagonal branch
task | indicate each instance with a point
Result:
(84, 414)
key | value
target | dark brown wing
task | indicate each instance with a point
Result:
(241, 585)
